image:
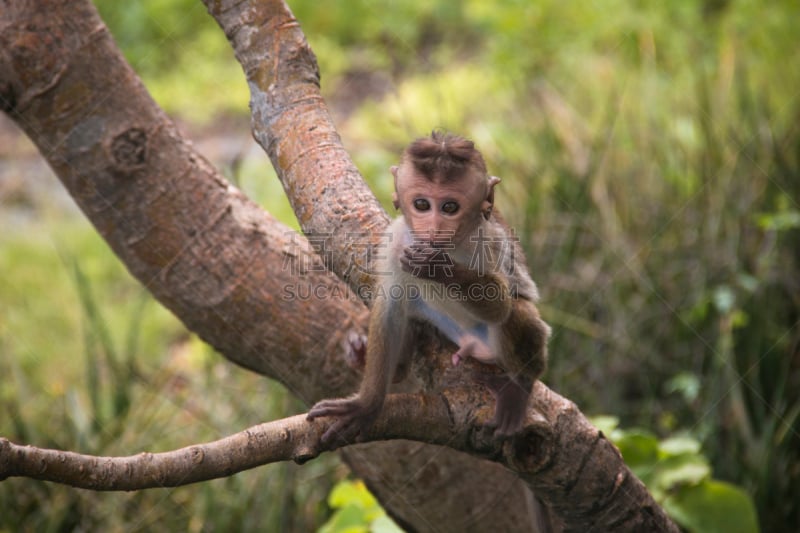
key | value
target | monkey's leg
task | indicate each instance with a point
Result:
(355, 353)
(511, 396)
(523, 351)
(355, 414)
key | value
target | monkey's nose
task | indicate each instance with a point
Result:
(441, 237)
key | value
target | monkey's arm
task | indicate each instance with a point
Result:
(484, 292)
(355, 414)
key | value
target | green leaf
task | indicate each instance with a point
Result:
(357, 511)
(605, 423)
(679, 445)
(781, 221)
(351, 493)
(638, 447)
(724, 299)
(686, 383)
(711, 507)
(384, 524)
(348, 519)
(680, 470)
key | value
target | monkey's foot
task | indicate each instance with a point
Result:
(512, 402)
(351, 419)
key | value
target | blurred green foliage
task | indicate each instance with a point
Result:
(679, 478)
(181, 55)
(650, 156)
(356, 511)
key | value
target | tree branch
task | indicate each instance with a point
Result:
(413, 417)
(291, 122)
(280, 440)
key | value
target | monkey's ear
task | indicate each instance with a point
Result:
(395, 200)
(488, 204)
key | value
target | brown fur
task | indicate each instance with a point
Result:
(444, 156)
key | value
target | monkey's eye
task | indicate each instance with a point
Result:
(421, 204)
(450, 207)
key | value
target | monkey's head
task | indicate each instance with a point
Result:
(442, 188)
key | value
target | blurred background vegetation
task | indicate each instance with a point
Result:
(650, 156)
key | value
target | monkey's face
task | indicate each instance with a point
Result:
(437, 212)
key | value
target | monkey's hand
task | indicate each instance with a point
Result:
(353, 416)
(511, 401)
(426, 261)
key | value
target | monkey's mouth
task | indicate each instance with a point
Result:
(442, 239)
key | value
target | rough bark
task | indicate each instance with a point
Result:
(222, 265)
(333, 204)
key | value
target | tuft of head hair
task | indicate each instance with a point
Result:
(444, 156)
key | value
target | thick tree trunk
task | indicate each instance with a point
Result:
(227, 269)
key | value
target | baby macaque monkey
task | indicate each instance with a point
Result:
(451, 262)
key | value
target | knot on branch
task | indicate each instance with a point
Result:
(197, 454)
(129, 148)
(530, 450)
(305, 454)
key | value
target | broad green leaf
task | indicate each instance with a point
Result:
(351, 492)
(713, 507)
(680, 470)
(348, 519)
(638, 447)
